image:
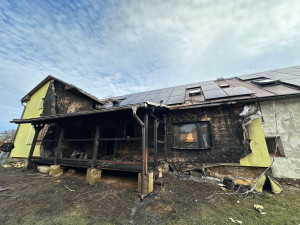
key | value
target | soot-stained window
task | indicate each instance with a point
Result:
(192, 135)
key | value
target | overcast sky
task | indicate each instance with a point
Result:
(117, 47)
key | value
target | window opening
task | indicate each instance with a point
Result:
(192, 135)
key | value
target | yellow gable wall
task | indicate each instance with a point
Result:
(25, 132)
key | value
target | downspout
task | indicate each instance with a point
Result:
(134, 109)
(24, 107)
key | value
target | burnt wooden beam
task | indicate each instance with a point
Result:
(146, 122)
(58, 150)
(67, 140)
(120, 139)
(96, 145)
(37, 129)
(165, 137)
(100, 164)
(156, 122)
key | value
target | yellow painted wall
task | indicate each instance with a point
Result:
(24, 135)
(260, 155)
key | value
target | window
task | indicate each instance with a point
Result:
(196, 91)
(271, 144)
(192, 136)
(41, 104)
(224, 85)
(265, 82)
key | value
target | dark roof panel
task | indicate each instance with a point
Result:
(213, 94)
(237, 91)
(178, 92)
(193, 85)
(294, 82)
(210, 87)
(176, 100)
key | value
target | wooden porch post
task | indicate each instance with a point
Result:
(165, 137)
(156, 123)
(58, 150)
(96, 144)
(146, 142)
(37, 128)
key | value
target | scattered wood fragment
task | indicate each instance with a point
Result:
(68, 188)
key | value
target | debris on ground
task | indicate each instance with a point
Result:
(69, 188)
(7, 166)
(239, 184)
(235, 221)
(201, 179)
(260, 209)
(265, 182)
(71, 171)
(3, 189)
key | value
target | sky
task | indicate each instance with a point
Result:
(118, 47)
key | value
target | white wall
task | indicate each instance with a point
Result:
(288, 131)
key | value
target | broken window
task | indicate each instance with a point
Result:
(274, 146)
(41, 104)
(192, 135)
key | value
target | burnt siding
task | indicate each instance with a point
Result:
(69, 101)
(226, 131)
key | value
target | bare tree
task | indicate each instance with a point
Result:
(4, 135)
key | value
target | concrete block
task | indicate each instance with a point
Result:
(165, 168)
(148, 183)
(93, 176)
(55, 170)
(43, 169)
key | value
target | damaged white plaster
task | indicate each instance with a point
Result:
(288, 129)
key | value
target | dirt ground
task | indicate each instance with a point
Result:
(35, 198)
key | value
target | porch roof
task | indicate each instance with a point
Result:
(47, 119)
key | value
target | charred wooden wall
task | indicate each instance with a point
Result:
(226, 131)
(69, 101)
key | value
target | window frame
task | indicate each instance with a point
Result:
(277, 142)
(41, 103)
(209, 138)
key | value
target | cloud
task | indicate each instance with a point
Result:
(117, 47)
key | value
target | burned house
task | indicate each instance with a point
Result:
(50, 97)
(212, 122)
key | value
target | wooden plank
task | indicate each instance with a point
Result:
(96, 145)
(165, 137)
(37, 129)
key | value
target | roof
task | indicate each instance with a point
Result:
(244, 88)
(53, 118)
(68, 87)
(273, 83)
